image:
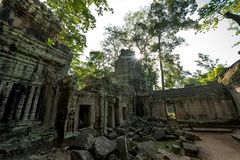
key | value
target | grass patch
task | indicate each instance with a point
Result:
(166, 144)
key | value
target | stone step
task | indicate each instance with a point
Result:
(204, 129)
(236, 136)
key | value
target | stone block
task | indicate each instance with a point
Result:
(176, 149)
(190, 149)
(83, 141)
(159, 134)
(122, 147)
(81, 155)
(103, 147)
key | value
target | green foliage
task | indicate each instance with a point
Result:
(205, 62)
(167, 18)
(115, 40)
(141, 32)
(212, 70)
(211, 75)
(76, 19)
(50, 42)
(216, 10)
(174, 74)
(95, 67)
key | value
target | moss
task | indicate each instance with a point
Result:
(166, 145)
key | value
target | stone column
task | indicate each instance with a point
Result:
(102, 106)
(29, 103)
(1, 86)
(105, 116)
(20, 105)
(5, 95)
(35, 103)
(113, 115)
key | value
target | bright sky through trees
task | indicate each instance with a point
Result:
(217, 43)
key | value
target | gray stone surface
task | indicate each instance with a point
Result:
(176, 149)
(83, 141)
(122, 147)
(81, 155)
(159, 134)
(190, 149)
(103, 147)
(148, 146)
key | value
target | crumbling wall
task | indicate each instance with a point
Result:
(30, 69)
(211, 103)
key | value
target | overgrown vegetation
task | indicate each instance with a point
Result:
(151, 31)
(209, 70)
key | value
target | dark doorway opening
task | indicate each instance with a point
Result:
(110, 115)
(84, 116)
(124, 113)
(139, 107)
(13, 100)
(117, 116)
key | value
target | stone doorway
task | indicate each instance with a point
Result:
(139, 108)
(110, 115)
(171, 111)
(117, 115)
(13, 100)
(84, 116)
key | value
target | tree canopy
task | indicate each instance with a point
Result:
(210, 69)
(217, 10)
(76, 19)
(152, 32)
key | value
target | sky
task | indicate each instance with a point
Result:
(217, 43)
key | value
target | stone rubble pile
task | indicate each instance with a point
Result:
(136, 140)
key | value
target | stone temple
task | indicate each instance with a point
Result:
(40, 105)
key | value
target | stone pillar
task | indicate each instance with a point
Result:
(35, 103)
(5, 94)
(112, 115)
(20, 105)
(29, 103)
(105, 116)
(92, 116)
(1, 86)
(102, 108)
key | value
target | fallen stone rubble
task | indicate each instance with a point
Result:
(136, 140)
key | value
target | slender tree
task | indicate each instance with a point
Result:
(167, 17)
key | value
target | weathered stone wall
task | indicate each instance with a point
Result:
(108, 101)
(211, 103)
(30, 69)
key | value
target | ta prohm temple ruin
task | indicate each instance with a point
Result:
(42, 109)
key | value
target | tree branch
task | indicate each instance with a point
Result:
(233, 16)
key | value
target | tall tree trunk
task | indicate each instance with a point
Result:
(160, 61)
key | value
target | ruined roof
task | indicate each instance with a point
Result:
(31, 17)
(106, 86)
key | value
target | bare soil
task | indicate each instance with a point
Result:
(218, 146)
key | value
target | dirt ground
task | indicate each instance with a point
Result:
(218, 146)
